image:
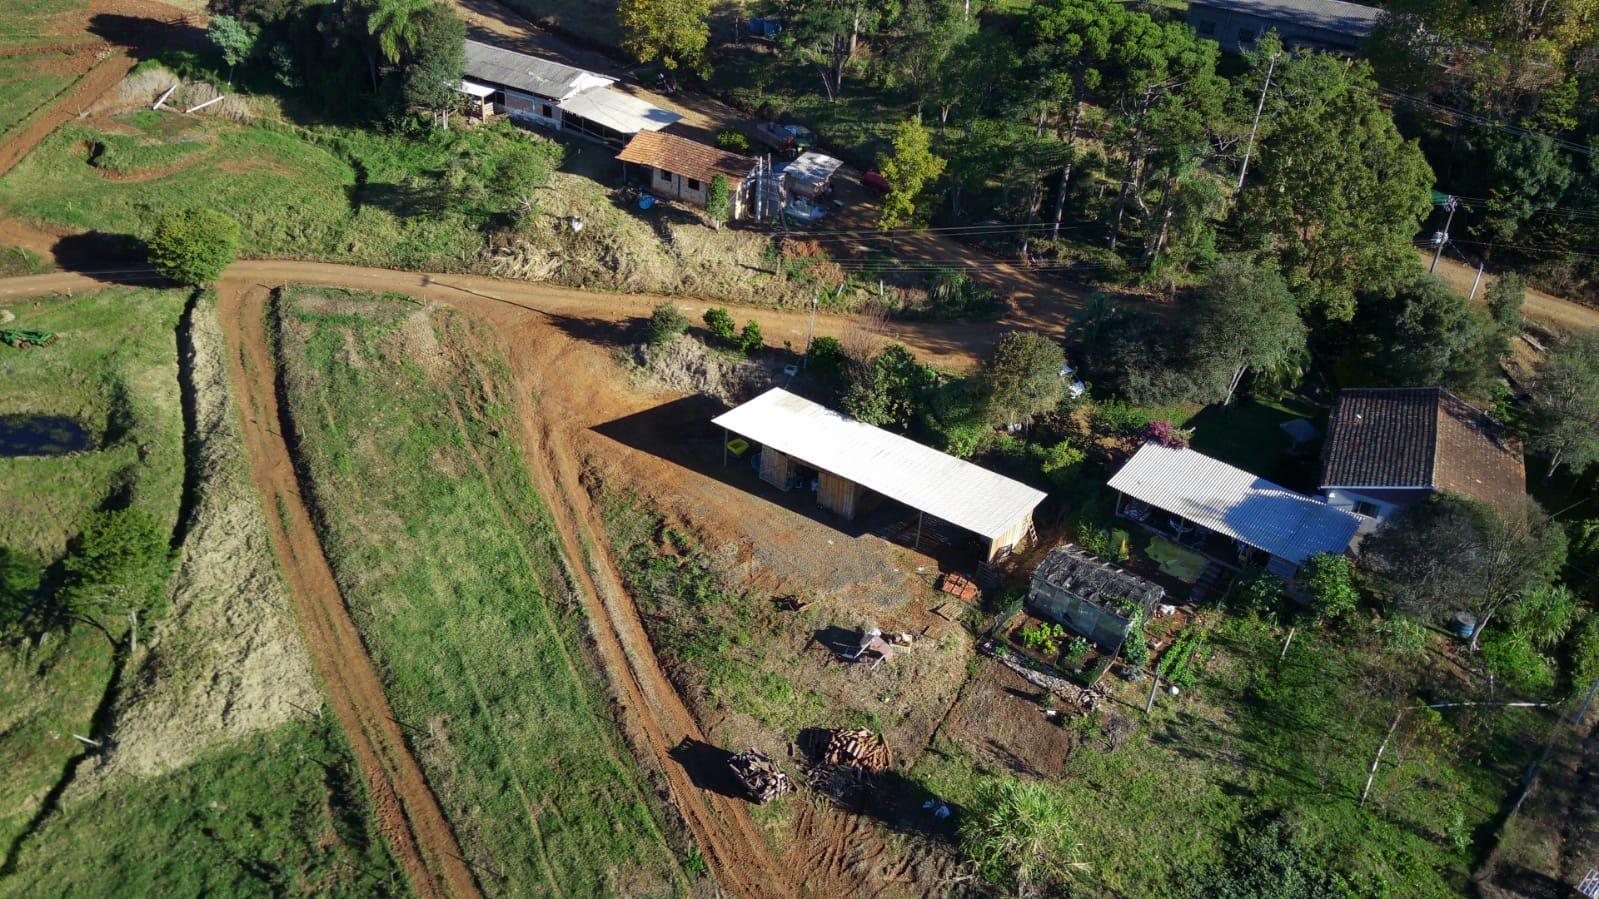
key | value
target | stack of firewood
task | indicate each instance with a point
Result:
(761, 777)
(858, 748)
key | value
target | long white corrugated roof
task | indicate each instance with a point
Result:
(543, 77)
(1234, 502)
(618, 111)
(923, 478)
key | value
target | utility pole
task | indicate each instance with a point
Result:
(810, 332)
(1474, 282)
(1450, 204)
(1260, 107)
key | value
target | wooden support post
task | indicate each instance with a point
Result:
(1153, 686)
(918, 543)
(724, 447)
(1372, 774)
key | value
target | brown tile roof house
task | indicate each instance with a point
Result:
(685, 157)
(1409, 438)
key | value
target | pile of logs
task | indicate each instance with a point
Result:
(761, 777)
(858, 748)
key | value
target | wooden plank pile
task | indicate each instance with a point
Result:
(857, 748)
(761, 777)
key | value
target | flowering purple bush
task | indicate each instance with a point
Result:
(1166, 434)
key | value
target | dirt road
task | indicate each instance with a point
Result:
(407, 811)
(1541, 308)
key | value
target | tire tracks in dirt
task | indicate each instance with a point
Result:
(407, 812)
(733, 846)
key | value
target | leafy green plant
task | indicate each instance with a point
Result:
(1076, 652)
(750, 340)
(1329, 580)
(1135, 648)
(728, 139)
(1019, 835)
(720, 323)
(666, 322)
(192, 246)
(1043, 638)
(1257, 590)
(1176, 666)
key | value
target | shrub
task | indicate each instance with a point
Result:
(1019, 836)
(1329, 579)
(1511, 656)
(1403, 636)
(1585, 653)
(1268, 861)
(1177, 665)
(1257, 590)
(1135, 648)
(750, 340)
(193, 246)
(720, 323)
(736, 141)
(718, 200)
(1060, 462)
(118, 564)
(666, 323)
(1167, 434)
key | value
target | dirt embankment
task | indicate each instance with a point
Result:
(408, 813)
(226, 660)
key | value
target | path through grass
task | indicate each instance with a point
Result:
(445, 556)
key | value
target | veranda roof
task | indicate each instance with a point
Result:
(619, 112)
(1235, 503)
(899, 468)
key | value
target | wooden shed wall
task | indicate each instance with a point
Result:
(776, 468)
(1004, 542)
(837, 494)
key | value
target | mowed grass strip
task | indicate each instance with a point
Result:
(444, 553)
(278, 813)
(39, 23)
(28, 82)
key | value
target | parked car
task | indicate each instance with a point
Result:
(785, 138)
(875, 180)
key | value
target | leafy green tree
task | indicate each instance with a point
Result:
(437, 61)
(673, 32)
(1022, 378)
(1445, 554)
(1333, 190)
(1329, 579)
(666, 323)
(827, 33)
(720, 323)
(887, 390)
(1527, 176)
(909, 168)
(1505, 297)
(1565, 403)
(396, 26)
(718, 200)
(825, 361)
(1267, 860)
(522, 170)
(193, 246)
(1423, 332)
(118, 564)
(1246, 319)
(750, 340)
(1545, 615)
(236, 39)
(1021, 836)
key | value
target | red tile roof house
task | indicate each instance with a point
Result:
(1389, 448)
(682, 169)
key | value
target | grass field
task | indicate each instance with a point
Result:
(275, 814)
(1256, 739)
(36, 23)
(27, 82)
(332, 193)
(446, 558)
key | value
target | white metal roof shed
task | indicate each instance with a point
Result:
(810, 173)
(1235, 503)
(923, 478)
(619, 112)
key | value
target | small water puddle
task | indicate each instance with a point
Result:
(42, 435)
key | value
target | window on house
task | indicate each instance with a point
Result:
(1369, 510)
(693, 184)
(546, 110)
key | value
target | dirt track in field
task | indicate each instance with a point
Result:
(407, 811)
